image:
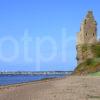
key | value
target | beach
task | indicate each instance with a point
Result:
(68, 88)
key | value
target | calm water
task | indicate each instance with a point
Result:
(13, 79)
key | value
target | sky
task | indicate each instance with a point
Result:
(40, 35)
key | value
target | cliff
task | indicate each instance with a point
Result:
(89, 65)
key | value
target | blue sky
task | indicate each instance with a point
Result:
(46, 21)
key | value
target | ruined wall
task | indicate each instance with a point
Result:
(86, 38)
(84, 52)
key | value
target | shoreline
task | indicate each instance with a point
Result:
(67, 88)
(27, 83)
(26, 80)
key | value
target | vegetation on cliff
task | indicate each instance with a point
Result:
(89, 65)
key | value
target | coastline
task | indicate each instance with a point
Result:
(9, 86)
(17, 79)
(67, 88)
(25, 83)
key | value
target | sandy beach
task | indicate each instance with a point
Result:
(69, 88)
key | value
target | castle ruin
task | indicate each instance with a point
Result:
(86, 37)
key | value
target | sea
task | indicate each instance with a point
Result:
(16, 79)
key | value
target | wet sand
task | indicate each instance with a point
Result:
(69, 88)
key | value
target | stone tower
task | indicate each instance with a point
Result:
(86, 36)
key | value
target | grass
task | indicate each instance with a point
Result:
(96, 50)
(89, 66)
(95, 74)
(94, 97)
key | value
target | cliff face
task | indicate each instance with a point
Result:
(91, 59)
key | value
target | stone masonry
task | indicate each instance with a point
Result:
(86, 37)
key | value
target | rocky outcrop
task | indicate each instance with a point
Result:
(92, 64)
